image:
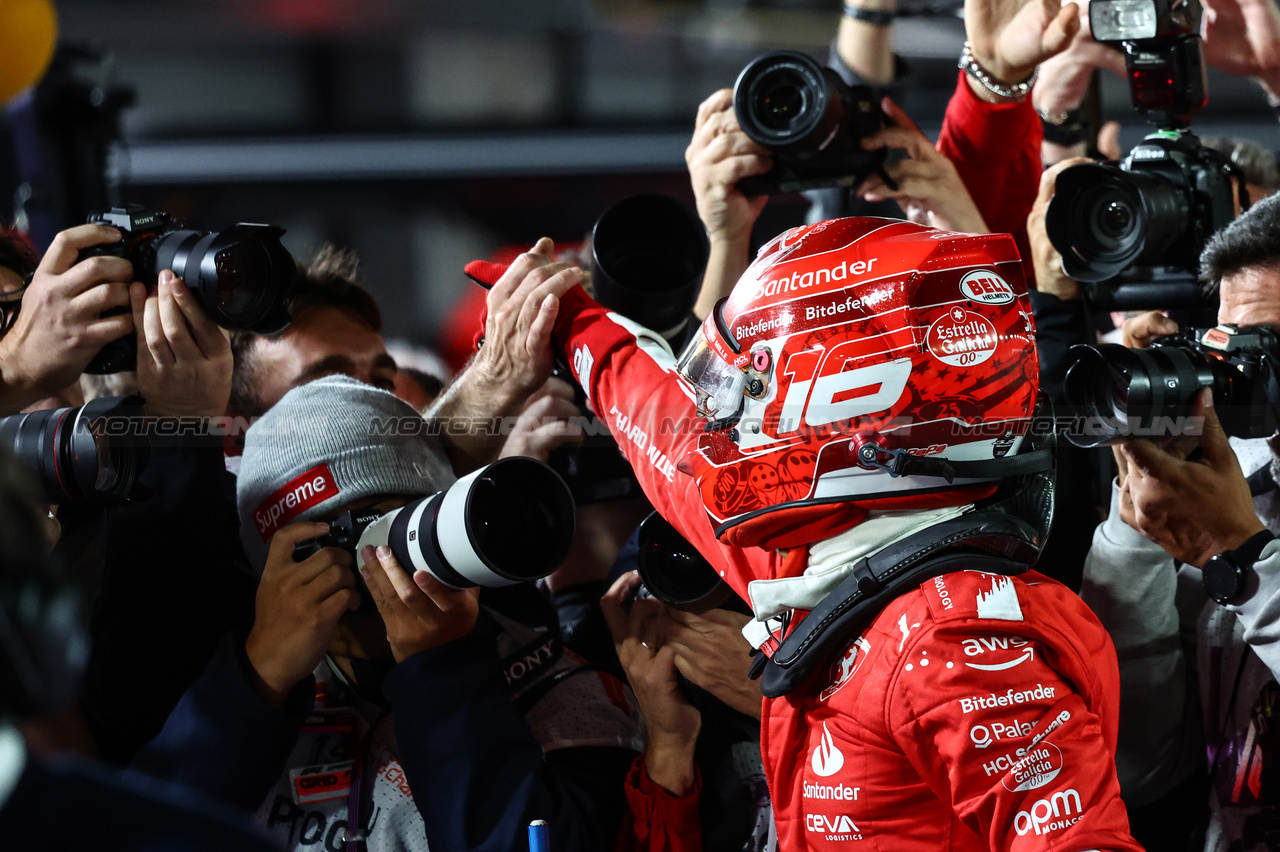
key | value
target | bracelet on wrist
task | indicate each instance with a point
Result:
(875, 17)
(1017, 92)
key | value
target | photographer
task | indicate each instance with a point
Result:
(55, 326)
(134, 680)
(418, 693)
(987, 155)
(1196, 672)
(41, 653)
(700, 783)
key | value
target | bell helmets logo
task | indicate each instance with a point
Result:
(962, 338)
(985, 286)
(293, 498)
(826, 760)
(843, 669)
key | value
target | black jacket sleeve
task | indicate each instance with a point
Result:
(171, 589)
(1060, 324)
(222, 739)
(478, 774)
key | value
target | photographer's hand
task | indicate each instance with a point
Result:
(297, 609)
(1138, 331)
(672, 722)
(420, 612)
(550, 420)
(929, 187)
(718, 156)
(712, 652)
(1064, 78)
(184, 359)
(515, 359)
(1048, 262)
(1242, 37)
(1010, 38)
(1194, 509)
(60, 327)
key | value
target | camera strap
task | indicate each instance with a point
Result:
(991, 541)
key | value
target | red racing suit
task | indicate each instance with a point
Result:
(977, 711)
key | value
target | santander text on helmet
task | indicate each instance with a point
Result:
(799, 281)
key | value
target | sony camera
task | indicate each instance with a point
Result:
(510, 522)
(240, 275)
(86, 454)
(1120, 394)
(810, 119)
(1133, 232)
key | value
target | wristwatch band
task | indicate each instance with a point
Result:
(875, 17)
(1248, 553)
(1016, 92)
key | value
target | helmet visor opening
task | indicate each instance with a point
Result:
(717, 384)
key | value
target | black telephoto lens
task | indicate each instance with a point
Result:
(78, 454)
(674, 572)
(648, 255)
(1103, 219)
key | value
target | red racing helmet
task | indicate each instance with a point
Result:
(860, 364)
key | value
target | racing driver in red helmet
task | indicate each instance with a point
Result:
(848, 441)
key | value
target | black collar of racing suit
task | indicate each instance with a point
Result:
(1000, 541)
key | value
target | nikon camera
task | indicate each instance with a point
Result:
(1133, 232)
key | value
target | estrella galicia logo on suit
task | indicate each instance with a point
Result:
(827, 760)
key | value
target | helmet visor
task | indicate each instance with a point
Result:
(718, 385)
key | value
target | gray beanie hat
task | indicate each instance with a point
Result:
(327, 444)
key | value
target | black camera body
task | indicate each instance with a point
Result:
(1156, 209)
(1148, 393)
(1133, 232)
(241, 275)
(810, 119)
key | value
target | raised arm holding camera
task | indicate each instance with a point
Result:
(59, 326)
